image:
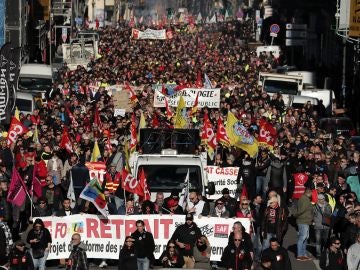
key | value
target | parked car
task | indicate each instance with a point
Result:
(336, 126)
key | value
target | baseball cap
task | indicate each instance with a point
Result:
(189, 217)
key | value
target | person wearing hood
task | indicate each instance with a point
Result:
(39, 239)
(322, 211)
(20, 258)
(186, 236)
(77, 259)
(276, 177)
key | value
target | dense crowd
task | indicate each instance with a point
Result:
(307, 175)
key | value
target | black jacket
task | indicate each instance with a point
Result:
(188, 236)
(61, 212)
(330, 260)
(144, 244)
(127, 259)
(77, 259)
(43, 235)
(20, 260)
(279, 258)
(236, 258)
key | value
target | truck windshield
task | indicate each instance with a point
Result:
(171, 177)
(283, 87)
(34, 84)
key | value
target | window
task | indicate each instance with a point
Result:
(37, 84)
(287, 88)
(24, 105)
(170, 177)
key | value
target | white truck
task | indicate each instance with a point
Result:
(166, 171)
(293, 85)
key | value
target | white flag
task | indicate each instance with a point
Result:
(71, 193)
(184, 196)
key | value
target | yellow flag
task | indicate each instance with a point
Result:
(17, 113)
(142, 124)
(95, 155)
(240, 137)
(180, 116)
(36, 135)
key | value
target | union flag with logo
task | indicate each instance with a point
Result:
(267, 134)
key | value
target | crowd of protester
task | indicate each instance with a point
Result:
(281, 183)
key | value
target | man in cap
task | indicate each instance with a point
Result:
(274, 222)
(229, 202)
(185, 237)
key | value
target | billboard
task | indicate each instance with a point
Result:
(354, 19)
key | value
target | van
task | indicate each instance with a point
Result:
(35, 79)
(25, 102)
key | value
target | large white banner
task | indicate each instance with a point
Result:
(207, 97)
(148, 34)
(223, 177)
(104, 237)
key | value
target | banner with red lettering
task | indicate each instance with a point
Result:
(223, 178)
(16, 129)
(104, 237)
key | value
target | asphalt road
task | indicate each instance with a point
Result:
(289, 244)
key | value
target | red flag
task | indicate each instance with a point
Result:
(314, 196)
(16, 129)
(244, 193)
(17, 189)
(199, 82)
(65, 142)
(267, 134)
(221, 136)
(133, 96)
(208, 136)
(74, 123)
(143, 184)
(131, 184)
(169, 113)
(97, 119)
(163, 90)
(196, 104)
(36, 184)
(133, 134)
(155, 120)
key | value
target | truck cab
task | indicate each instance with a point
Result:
(166, 168)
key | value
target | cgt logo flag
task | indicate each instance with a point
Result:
(93, 193)
(16, 129)
(267, 134)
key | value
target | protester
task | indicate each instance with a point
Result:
(333, 258)
(20, 257)
(353, 254)
(171, 257)
(202, 253)
(128, 255)
(77, 259)
(145, 246)
(237, 255)
(304, 217)
(274, 222)
(275, 257)
(186, 236)
(39, 239)
(6, 241)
